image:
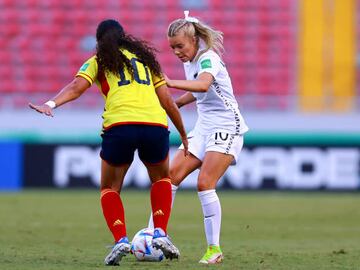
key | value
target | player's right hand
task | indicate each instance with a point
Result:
(45, 109)
(185, 144)
(168, 81)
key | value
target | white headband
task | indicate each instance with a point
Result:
(190, 19)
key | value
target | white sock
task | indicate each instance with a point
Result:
(173, 193)
(212, 215)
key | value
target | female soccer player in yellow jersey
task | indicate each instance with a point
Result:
(135, 92)
(217, 138)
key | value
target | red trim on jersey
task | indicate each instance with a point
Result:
(135, 123)
(103, 82)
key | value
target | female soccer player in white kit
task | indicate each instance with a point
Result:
(217, 138)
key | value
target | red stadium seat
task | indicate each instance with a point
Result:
(7, 86)
(42, 41)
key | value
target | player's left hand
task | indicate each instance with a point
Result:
(45, 109)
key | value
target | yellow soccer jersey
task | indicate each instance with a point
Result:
(127, 100)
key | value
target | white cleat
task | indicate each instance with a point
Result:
(162, 241)
(121, 249)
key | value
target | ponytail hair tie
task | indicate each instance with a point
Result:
(190, 19)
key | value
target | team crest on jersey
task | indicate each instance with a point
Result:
(205, 63)
(84, 67)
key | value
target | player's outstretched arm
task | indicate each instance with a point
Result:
(185, 99)
(70, 92)
(201, 84)
(173, 112)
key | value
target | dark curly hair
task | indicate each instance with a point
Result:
(111, 37)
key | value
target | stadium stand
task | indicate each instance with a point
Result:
(43, 43)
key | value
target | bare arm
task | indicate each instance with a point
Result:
(185, 99)
(70, 92)
(201, 84)
(173, 112)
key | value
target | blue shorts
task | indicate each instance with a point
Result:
(120, 142)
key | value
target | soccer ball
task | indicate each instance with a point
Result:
(142, 248)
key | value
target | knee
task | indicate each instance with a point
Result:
(203, 184)
(205, 181)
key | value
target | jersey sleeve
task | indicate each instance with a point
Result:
(89, 70)
(157, 81)
(209, 63)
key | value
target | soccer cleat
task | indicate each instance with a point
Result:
(120, 249)
(162, 241)
(213, 255)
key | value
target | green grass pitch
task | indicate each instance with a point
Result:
(260, 230)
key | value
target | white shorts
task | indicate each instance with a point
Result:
(219, 141)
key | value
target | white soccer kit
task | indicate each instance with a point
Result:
(220, 125)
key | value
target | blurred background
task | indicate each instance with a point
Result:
(294, 66)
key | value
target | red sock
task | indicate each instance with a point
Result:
(113, 211)
(161, 203)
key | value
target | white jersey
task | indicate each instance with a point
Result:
(217, 108)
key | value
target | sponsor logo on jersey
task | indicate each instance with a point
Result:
(205, 64)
